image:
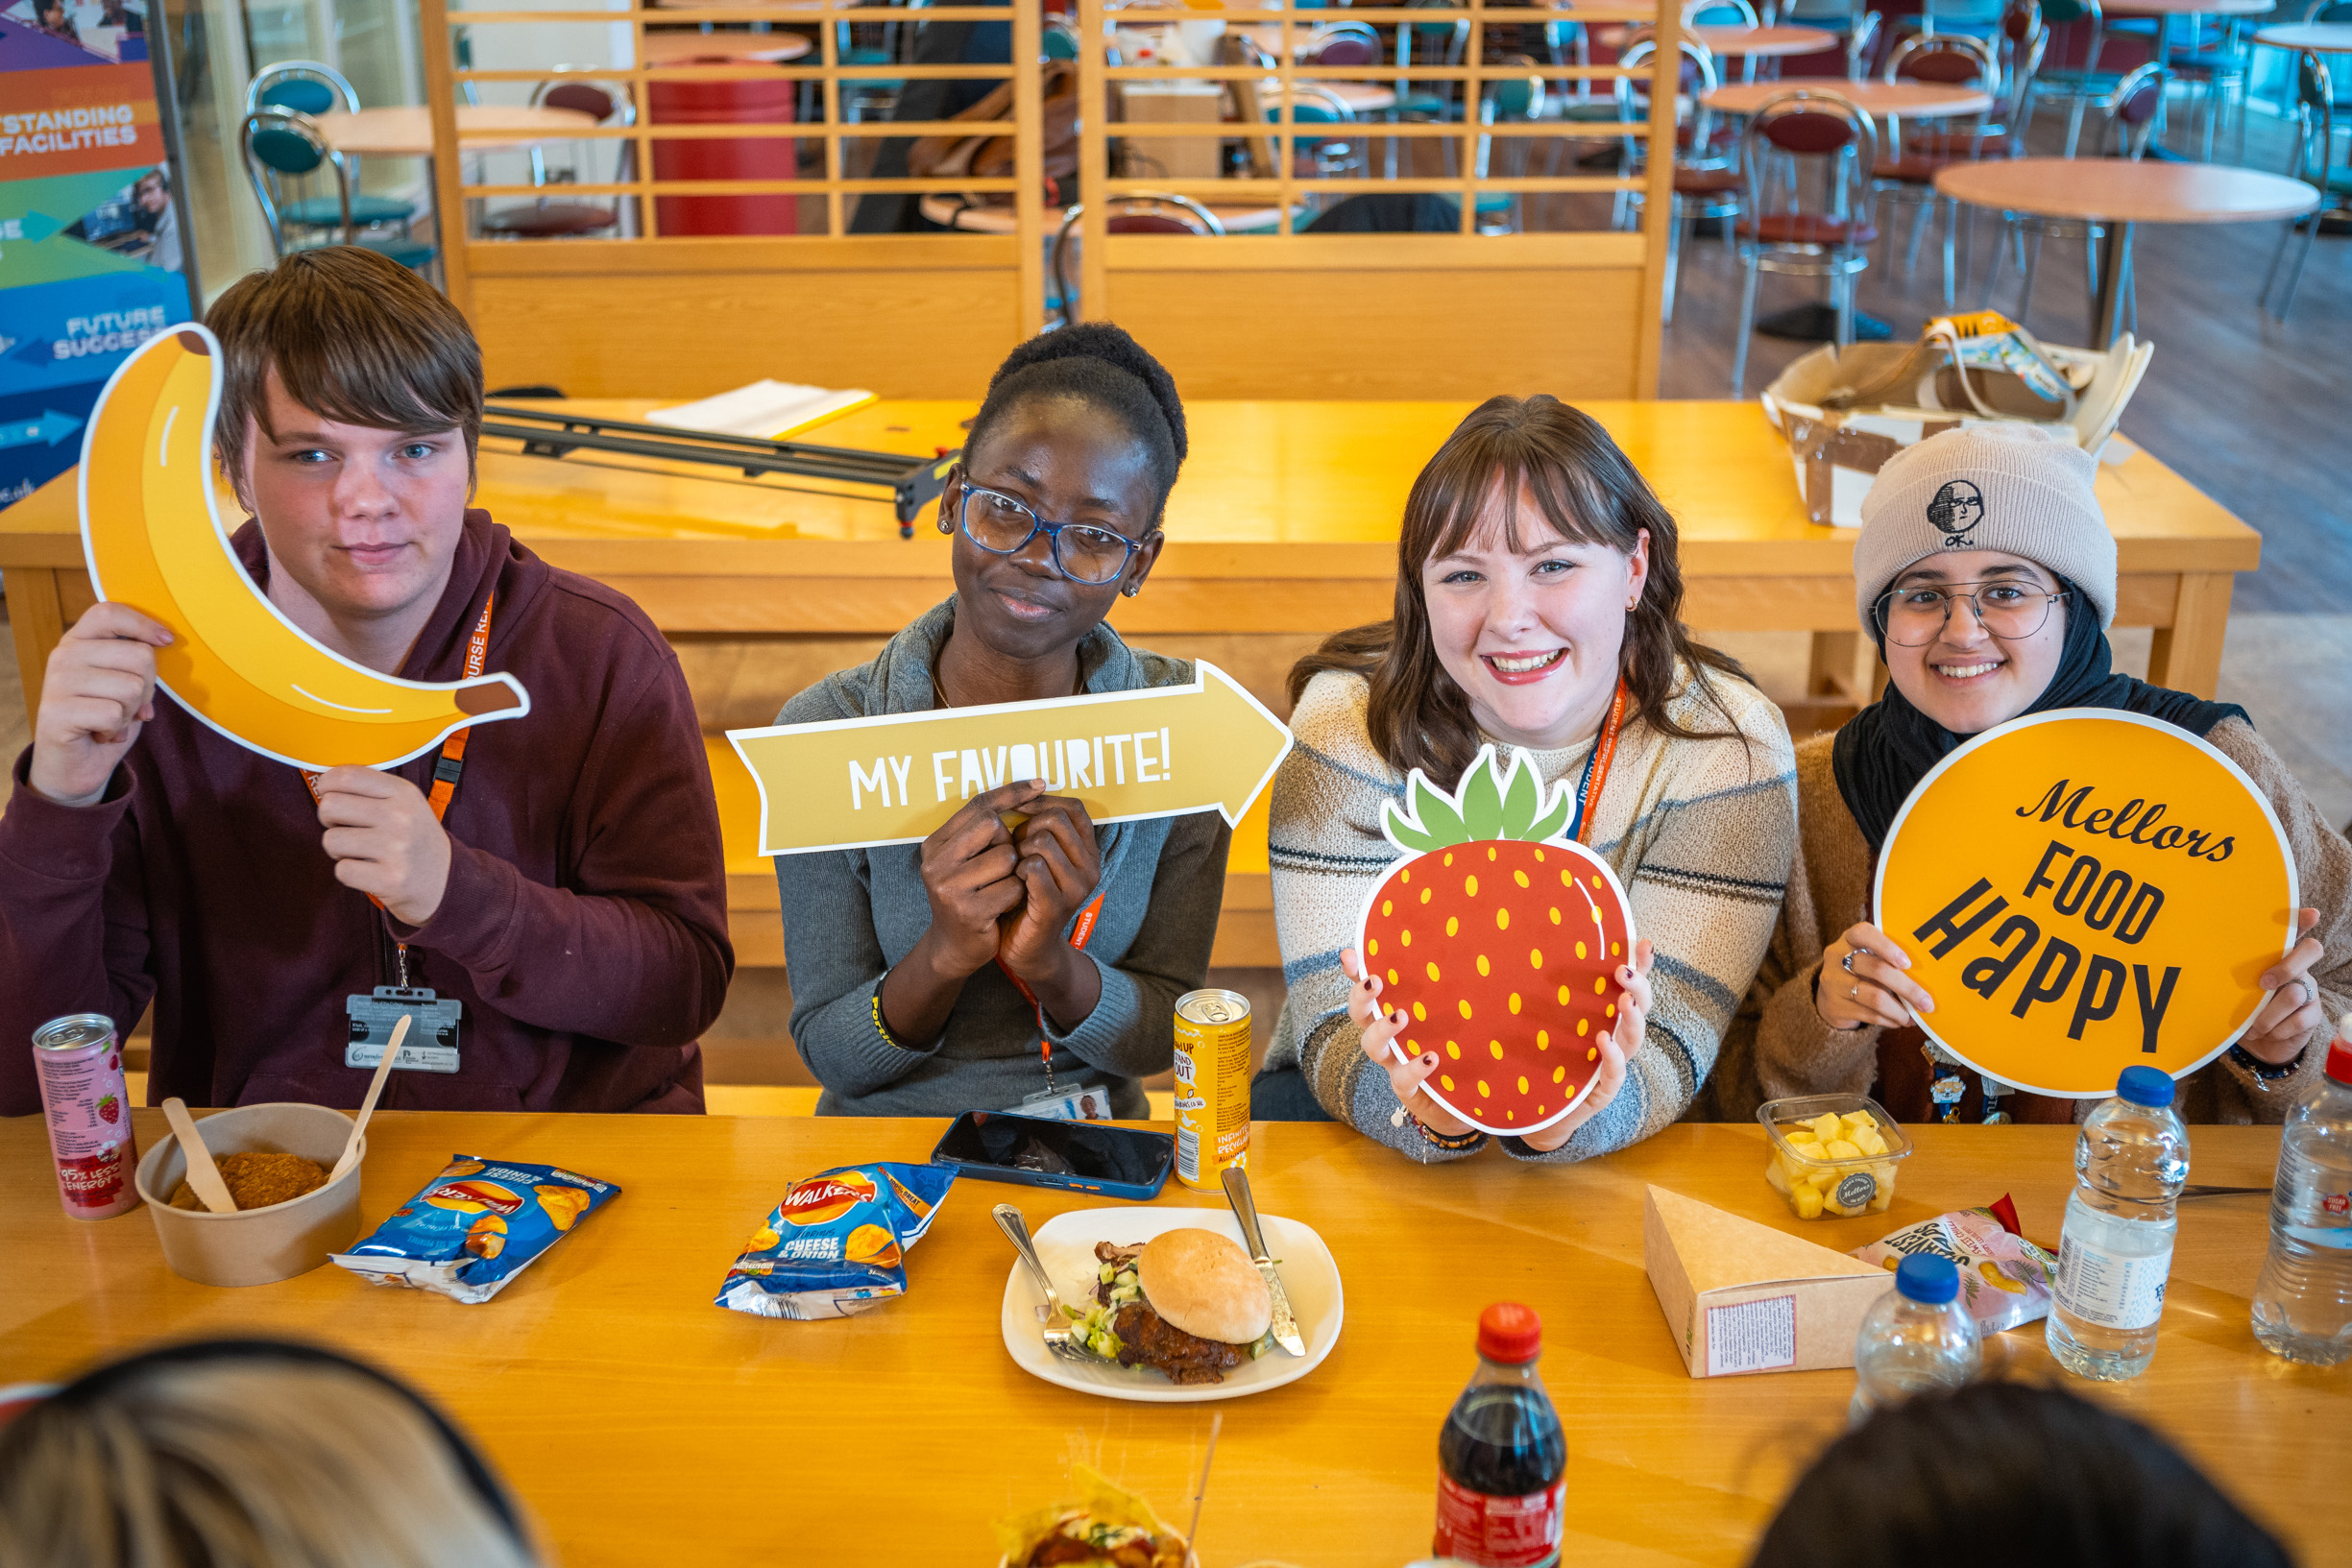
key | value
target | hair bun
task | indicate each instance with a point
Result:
(1114, 346)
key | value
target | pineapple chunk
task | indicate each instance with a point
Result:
(1840, 1149)
(1808, 1148)
(1869, 1141)
(1854, 1119)
(1827, 1127)
(1885, 1201)
(1809, 1201)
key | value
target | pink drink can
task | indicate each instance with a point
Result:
(80, 1064)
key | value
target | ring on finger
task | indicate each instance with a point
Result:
(1855, 995)
(1847, 962)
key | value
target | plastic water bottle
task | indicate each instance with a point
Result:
(2303, 1302)
(1916, 1339)
(1503, 1459)
(2116, 1251)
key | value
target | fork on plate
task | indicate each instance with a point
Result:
(1058, 1340)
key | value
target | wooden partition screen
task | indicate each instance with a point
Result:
(657, 315)
(1410, 315)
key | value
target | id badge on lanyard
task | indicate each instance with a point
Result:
(431, 1045)
(1089, 1102)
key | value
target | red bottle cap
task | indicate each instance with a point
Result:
(2339, 1061)
(1510, 1333)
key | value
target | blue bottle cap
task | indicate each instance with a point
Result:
(2145, 1086)
(1924, 1276)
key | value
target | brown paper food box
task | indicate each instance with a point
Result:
(1740, 1297)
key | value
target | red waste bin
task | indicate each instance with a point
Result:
(744, 102)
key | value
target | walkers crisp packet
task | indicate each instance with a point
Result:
(837, 1243)
(475, 1227)
(2004, 1279)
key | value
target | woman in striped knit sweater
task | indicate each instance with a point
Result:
(1537, 581)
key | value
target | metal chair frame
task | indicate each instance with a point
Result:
(299, 70)
(2131, 131)
(1199, 219)
(1922, 198)
(1684, 212)
(1409, 38)
(2074, 85)
(2314, 145)
(1845, 201)
(295, 123)
(619, 105)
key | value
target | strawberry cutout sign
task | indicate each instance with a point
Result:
(1501, 937)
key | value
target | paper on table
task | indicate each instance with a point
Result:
(767, 410)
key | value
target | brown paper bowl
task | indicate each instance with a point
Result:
(256, 1247)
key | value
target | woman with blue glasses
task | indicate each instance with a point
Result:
(1032, 967)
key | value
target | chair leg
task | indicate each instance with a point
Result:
(2090, 261)
(1844, 292)
(1952, 240)
(1919, 231)
(2000, 259)
(2073, 126)
(1747, 325)
(2278, 255)
(2311, 232)
(1675, 214)
(2033, 264)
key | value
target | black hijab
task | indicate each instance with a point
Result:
(1889, 747)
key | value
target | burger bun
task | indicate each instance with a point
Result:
(1205, 1284)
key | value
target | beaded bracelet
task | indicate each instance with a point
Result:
(1454, 1144)
(2265, 1074)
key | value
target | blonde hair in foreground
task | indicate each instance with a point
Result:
(241, 1465)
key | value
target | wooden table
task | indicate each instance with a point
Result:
(686, 48)
(1887, 100)
(641, 1424)
(2120, 194)
(1283, 526)
(1759, 41)
(407, 131)
(2323, 37)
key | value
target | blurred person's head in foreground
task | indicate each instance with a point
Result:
(248, 1453)
(2002, 1472)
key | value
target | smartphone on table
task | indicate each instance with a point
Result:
(1084, 1156)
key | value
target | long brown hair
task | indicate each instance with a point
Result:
(1588, 493)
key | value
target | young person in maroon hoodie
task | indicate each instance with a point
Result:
(571, 899)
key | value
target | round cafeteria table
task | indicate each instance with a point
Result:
(1360, 97)
(2120, 195)
(1881, 100)
(407, 131)
(1761, 42)
(946, 210)
(758, 48)
(2320, 37)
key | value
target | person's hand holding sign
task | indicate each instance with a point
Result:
(1410, 1079)
(2279, 1031)
(1862, 983)
(968, 867)
(1059, 866)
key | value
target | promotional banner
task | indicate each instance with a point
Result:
(1162, 752)
(1498, 934)
(93, 260)
(2084, 891)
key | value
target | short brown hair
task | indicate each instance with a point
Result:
(1586, 491)
(354, 336)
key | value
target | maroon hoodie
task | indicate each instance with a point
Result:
(584, 927)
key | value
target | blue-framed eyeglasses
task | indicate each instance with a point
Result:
(1002, 525)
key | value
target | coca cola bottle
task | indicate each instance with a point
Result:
(1502, 1456)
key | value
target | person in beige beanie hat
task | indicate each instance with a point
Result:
(1986, 574)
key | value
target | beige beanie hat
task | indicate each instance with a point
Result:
(1987, 486)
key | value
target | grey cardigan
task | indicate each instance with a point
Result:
(850, 914)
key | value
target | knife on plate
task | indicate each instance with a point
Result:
(1254, 1236)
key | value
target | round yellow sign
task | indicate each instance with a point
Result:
(2083, 891)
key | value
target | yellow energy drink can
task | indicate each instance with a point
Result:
(1212, 1086)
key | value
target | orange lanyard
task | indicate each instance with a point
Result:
(450, 765)
(1596, 769)
(1078, 934)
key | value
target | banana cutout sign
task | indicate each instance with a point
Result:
(152, 534)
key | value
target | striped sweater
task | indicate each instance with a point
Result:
(1700, 831)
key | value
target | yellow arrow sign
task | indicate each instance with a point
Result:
(1161, 752)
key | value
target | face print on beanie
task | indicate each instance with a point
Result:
(1957, 508)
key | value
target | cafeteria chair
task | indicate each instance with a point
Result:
(2311, 162)
(2130, 122)
(860, 94)
(1330, 155)
(1806, 126)
(1906, 175)
(1060, 40)
(2216, 66)
(1707, 177)
(314, 87)
(1436, 43)
(283, 154)
(2077, 86)
(1510, 99)
(1344, 44)
(1725, 13)
(543, 219)
(1144, 212)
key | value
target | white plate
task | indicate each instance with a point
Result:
(1065, 1244)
